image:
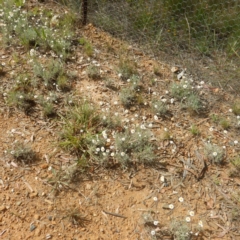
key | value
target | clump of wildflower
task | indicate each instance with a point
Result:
(214, 153)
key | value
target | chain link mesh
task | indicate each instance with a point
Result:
(206, 25)
(192, 33)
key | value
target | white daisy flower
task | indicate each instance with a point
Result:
(171, 206)
(181, 199)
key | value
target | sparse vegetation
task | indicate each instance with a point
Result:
(180, 91)
(225, 124)
(127, 133)
(236, 108)
(193, 103)
(214, 153)
(195, 130)
(127, 68)
(93, 72)
(75, 217)
(127, 97)
(88, 48)
(80, 127)
(180, 230)
(134, 146)
(23, 153)
(159, 108)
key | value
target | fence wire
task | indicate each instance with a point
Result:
(184, 30)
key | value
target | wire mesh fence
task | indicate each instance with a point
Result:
(188, 29)
(206, 26)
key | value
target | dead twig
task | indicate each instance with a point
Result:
(114, 214)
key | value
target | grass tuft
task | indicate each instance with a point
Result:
(214, 153)
(23, 153)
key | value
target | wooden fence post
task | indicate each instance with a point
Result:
(84, 11)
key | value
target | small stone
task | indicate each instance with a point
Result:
(44, 166)
(2, 208)
(88, 186)
(32, 227)
(36, 217)
(174, 69)
(38, 232)
(48, 236)
(50, 208)
(33, 194)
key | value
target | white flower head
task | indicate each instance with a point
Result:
(162, 179)
(171, 206)
(200, 223)
(155, 199)
(230, 110)
(155, 223)
(153, 232)
(215, 154)
(32, 52)
(181, 199)
(188, 219)
(211, 129)
(235, 142)
(191, 213)
(122, 154)
(155, 117)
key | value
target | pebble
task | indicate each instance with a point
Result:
(48, 236)
(36, 217)
(2, 208)
(32, 195)
(32, 227)
(88, 186)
